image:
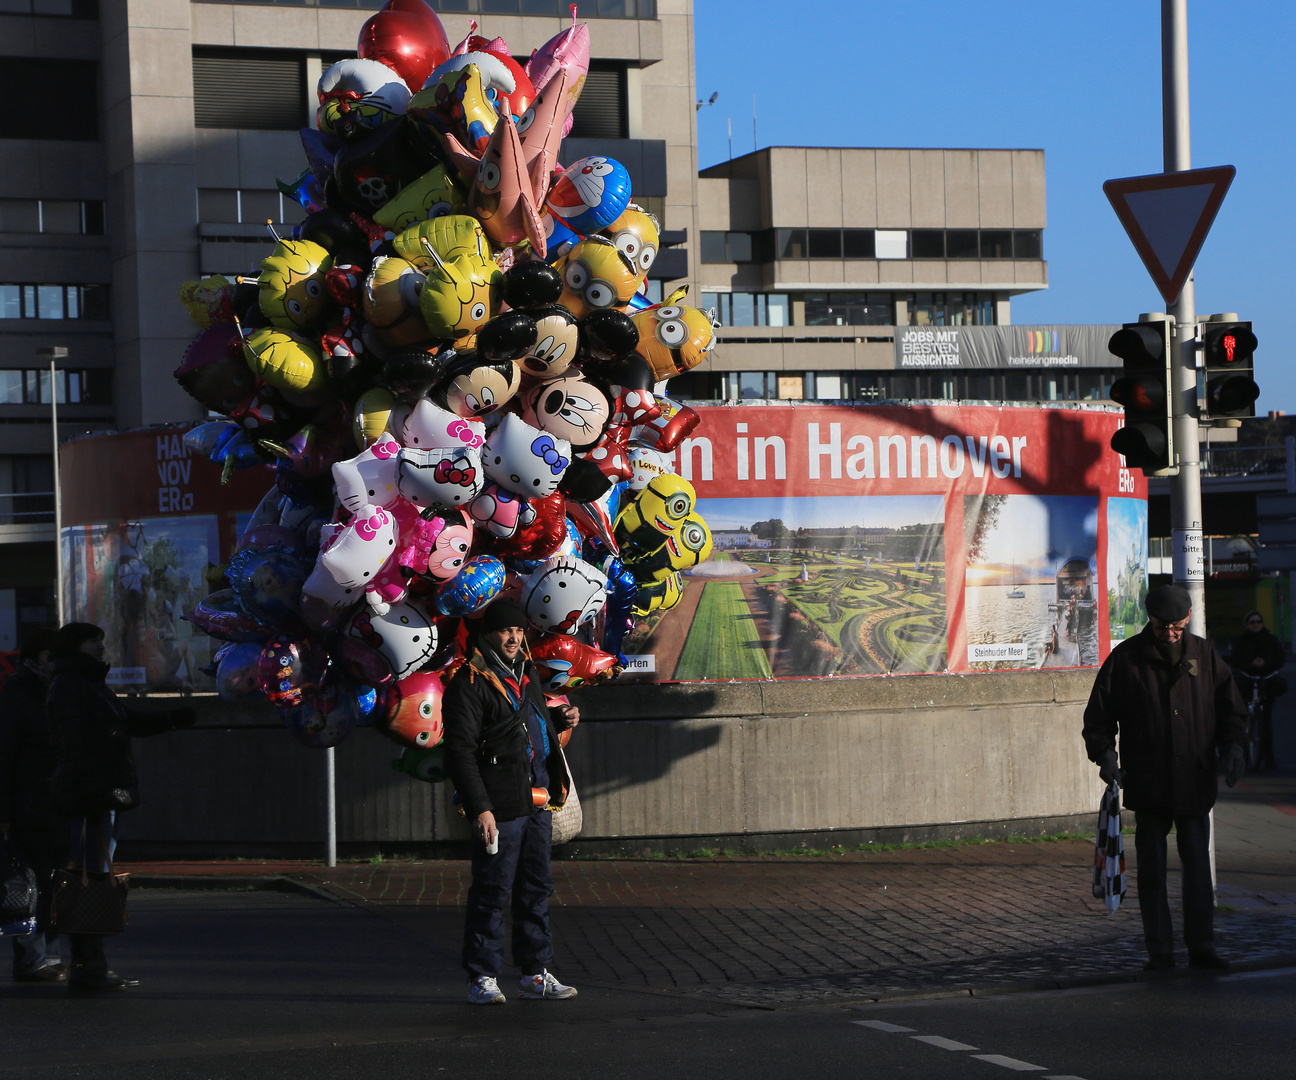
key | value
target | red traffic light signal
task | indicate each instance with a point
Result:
(1228, 348)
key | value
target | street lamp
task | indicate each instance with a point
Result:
(55, 353)
(710, 101)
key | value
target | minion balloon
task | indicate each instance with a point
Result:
(654, 514)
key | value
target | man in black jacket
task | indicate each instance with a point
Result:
(502, 752)
(27, 811)
(1172, 699)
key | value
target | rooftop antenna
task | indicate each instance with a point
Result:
(753, 123)
(731, 138)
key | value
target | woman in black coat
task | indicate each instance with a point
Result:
(94, 779)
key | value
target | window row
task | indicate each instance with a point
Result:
(31, 386)
(264, 89)
(847, 308)
(53, 301)
(888, 386)
(232, 206)
(767, 245)
(61, 9)
(603, 9)
(63, 217)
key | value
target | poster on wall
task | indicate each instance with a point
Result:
(136, 580)
(889, 540)
(1127, 566)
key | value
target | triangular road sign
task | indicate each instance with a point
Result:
(1167, 216)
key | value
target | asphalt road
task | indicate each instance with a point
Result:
(267, 985)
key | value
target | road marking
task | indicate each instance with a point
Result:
(1067, 1077)
(942, 1042)
(880, 1025)
(1010, 1063)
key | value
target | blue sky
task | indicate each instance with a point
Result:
(1079, 80)
(1037, 533)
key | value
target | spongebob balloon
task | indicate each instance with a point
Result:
(434, 194)
(291, 284)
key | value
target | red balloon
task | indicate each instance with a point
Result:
(408, 37)
(542, 538)
(417, 719)
(564, 662)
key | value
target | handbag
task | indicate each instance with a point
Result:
(567, 819)
(87, 901)
(19, 891)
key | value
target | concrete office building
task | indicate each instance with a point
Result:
(147, 155)
(819, 260)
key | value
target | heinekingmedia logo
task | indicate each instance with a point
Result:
(1043, 349)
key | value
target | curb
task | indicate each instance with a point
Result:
(225, 883)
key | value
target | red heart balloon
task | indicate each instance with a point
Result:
(408, 37)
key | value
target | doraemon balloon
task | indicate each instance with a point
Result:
(590, 194)
(563, 594)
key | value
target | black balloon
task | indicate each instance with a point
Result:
(531, 284)
(608, 335)
(410, 374)
(584, 481)
(371, 173)
(633, 373)
(507, 336)
(337, 234)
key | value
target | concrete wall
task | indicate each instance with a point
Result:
(676, 767)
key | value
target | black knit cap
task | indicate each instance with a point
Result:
(69, 638)
(1169, 603)
(503, 612)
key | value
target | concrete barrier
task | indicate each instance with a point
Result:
(755, 765)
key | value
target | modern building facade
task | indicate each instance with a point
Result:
(822, 261)
(152, 159)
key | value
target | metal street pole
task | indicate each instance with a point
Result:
(54, 354)
(1185, 488)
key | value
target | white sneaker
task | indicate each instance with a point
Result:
(484, 990)
(544, 985)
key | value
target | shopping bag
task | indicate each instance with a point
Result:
(1109, 851)
(85, 902)
(18, 890)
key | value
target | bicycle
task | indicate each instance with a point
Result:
(1258, 708)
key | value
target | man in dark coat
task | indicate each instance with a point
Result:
(1256, 655)
(1171, 699)
(27, 811)
(502, 752)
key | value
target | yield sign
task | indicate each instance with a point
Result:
(1167, 216)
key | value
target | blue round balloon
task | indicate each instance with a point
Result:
(478, 583)
(590, 194)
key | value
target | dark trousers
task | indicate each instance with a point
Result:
(1192, 834)
(520, 867)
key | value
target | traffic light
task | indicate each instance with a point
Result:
(1229, 351)
(1146, 392)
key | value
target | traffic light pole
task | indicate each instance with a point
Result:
(1185, 487)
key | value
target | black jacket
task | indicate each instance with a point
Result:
(1171, 720)
(92, 729)
(27, 761)
(1264, 645)
(486, 743)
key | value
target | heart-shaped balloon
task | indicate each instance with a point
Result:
(408, 37)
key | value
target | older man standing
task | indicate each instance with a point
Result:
(1171, 699)
(502, 752)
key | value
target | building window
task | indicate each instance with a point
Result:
(858, 244)
(928, 243)
(57, 217)
(58, 9)
(790, 244)
(825, 243)
(229, 206)
(951, 309)
(69, 103)
(962, 244)
(1028, 244)
(892, 243)
(996, 244)
(601, 111)
(53, 301)
(748, 309)
(249, 89)
(729, 247)
(31, 386)
(849, 309)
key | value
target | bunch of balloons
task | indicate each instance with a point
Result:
(453, 369)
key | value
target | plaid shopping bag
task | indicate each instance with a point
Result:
(1109, 851)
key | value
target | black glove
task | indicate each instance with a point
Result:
(1234, 763)
(183, 718)
(1109, 768)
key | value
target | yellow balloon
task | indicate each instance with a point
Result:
(287, 362)
(372, 412)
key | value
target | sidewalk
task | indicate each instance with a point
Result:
(768, 931)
